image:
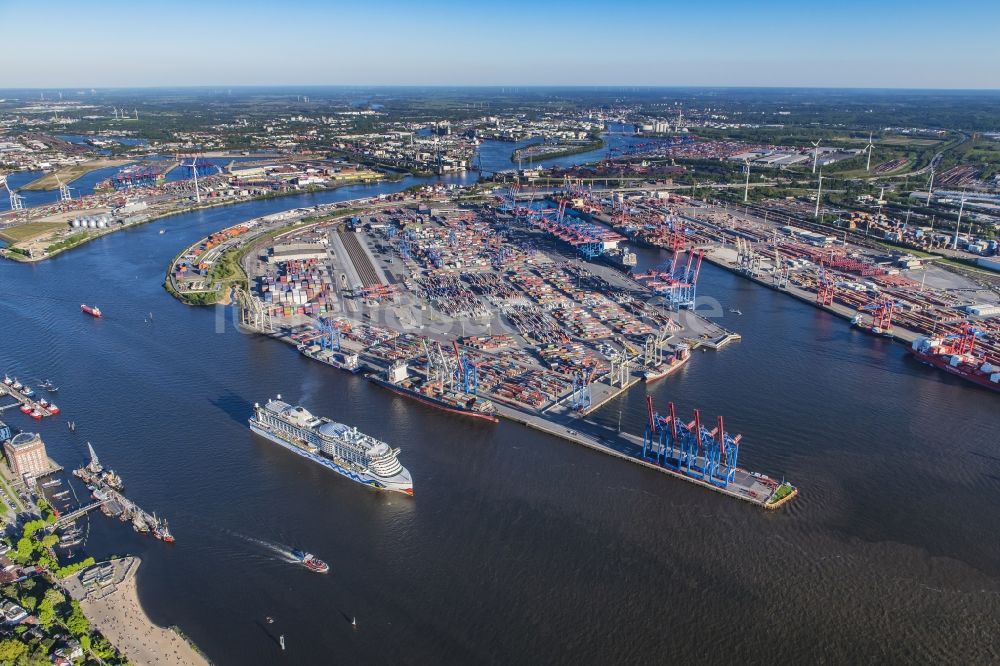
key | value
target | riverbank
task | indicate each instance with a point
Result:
(117, 612)
(68, 174)
(566, 152)
(15, 253)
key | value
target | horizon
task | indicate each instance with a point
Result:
(729, 45)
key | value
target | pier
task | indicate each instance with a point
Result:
(24, 401)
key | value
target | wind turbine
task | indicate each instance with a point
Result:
(819, 192)
(194, 170)
(869, 149)
(815, 146)
(746, 190)
(115, 109)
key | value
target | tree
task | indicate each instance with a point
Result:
(50, 540)
(77, 622)
(46, 613)
(11, 649)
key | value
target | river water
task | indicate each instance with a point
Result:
(519, 547)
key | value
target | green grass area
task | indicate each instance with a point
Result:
(25, 232)
(68, 242)
(67, 175)
(783, 491)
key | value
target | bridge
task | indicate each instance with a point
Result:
(68, 518)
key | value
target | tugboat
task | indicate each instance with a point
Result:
(26, 409)
(309, 561)
(92, 311)
(35, 414)
(7, 380)
(53, 410)
(16, 385)
(162, 531)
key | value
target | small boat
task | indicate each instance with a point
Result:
(163, 231)
(72, 426)
(310, 561)
(735, 311)
(162, 532)
(93, 311)
(27, 392)
(52, 483)
(49, 386)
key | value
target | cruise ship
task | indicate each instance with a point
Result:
(343, 449)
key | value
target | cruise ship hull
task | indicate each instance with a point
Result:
(399, 484)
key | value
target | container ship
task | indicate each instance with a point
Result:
(668, 365)
(343, 449)
(93, 311)
(398, 381)
(620, 258)
(954, 354)
(345, 361)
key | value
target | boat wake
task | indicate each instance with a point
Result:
(279, 551)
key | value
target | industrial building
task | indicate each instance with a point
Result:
(26, 455)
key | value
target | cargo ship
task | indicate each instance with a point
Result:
(398, 381)
(621, 258)
(954, 354)
(338, 447)
(668, 365)
(310, 561)
(93, 311)
(345, 361)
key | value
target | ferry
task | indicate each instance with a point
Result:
(338, 447)
(310, 561)
(93, 311)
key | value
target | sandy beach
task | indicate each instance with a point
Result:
(116, 611)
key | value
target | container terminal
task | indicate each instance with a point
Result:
(467, 309)
(948, 319)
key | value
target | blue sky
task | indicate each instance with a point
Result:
(697, 42)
